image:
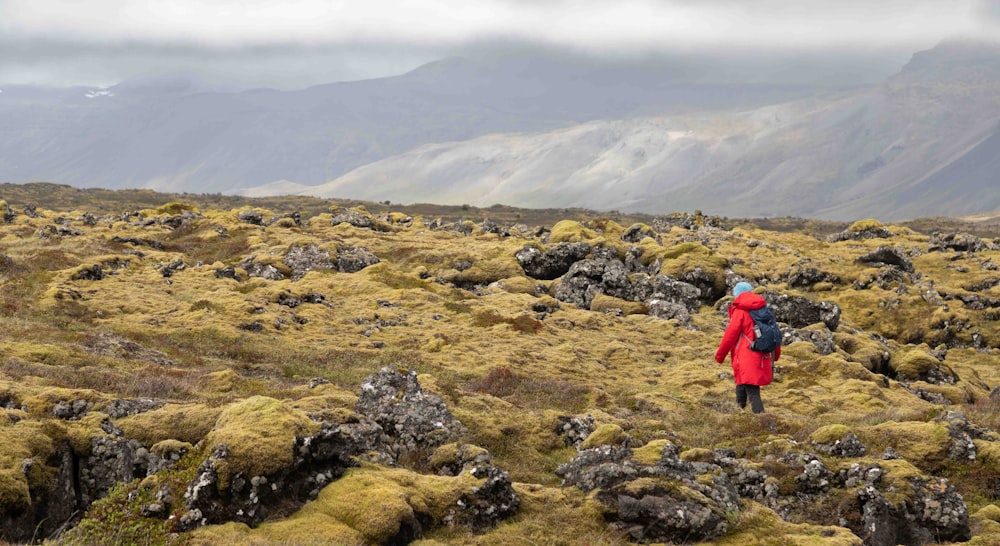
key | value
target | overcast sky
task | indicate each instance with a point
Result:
(296, 43)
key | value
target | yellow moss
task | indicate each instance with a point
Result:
(607, 434)
(329, 403)
(222, 381)
(760, 526)
(454, 453)
(925, 445)
(14, 494)
(570, 231)
(989, 512)
(485, 271)
(829, 434)
(172, 209)
(79, 433)
(520, 285)
(988, 453)
(181, 422)
(865, 225)
(911, 362)
(603, 303)
(165, 448)
(988, 534)
(373, 502)
(697, 454)
(650, 453)
(259, 432)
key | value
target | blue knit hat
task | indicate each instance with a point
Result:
(741, 287)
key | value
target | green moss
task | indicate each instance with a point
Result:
(925, 445)
(607, 434)
(14, 494)
(829, 434)
(989, 512)
(259, 432)
(650, 453)
(165, 448)
(187, 423)
(912, 362)
(697, 454)
(369, 505)
(456, 454)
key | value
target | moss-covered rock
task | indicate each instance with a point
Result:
(259, 433)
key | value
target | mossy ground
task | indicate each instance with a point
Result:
(234, 363)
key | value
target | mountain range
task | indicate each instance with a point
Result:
(540, 132)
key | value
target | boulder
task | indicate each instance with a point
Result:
(413, 420)
(887, 256)
(671, 500)
(958, 242)
(302, 259)
(669, 289)
(799, 312)
(352, 260)
(553, 262)
(587, 278)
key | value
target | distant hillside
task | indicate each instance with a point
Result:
(923, 143)
(174, 135)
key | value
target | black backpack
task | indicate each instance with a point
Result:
(767, 335)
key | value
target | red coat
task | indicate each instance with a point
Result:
(749, 366)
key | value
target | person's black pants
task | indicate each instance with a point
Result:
(743, 392)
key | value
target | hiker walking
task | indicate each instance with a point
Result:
(752, 368)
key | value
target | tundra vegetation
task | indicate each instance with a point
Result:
(317, 372)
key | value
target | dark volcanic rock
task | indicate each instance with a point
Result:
(352, 260)
(873, 232)
(799, 312)
(958, 242)
(574, 430)
(587, 278)
(669, 504)
(413, 419)
(668, 289)
(887, 256)
(808, 276)
(554, 262)
(302, 259)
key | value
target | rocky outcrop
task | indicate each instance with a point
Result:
(574, 430)
(873, 231)
(799, 312)
(318, 459)
(303, 259)
(885, 256)
(413, 420)
(587, 278)
(262, 270)
(354, 259)
(821, 338)
(935, 513)
(805, 277)
(669, 501)
(397, 422)
(682, 499)
(554, 262)
(958, 242)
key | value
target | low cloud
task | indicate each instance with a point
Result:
(303, 42)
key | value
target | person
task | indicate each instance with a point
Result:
(751, 369)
